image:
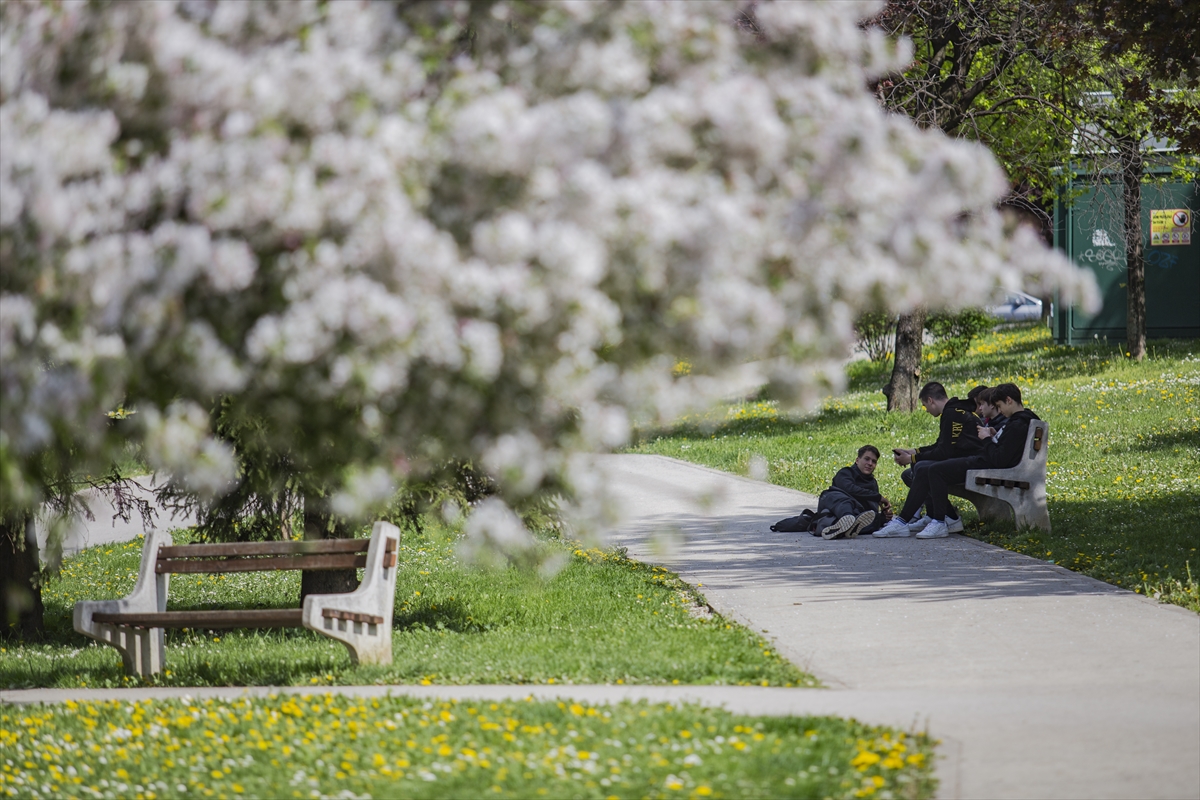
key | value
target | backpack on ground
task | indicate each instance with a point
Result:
(799, 524)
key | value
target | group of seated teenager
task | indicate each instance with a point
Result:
(985, 431)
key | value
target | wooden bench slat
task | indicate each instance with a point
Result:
(247, 618)
(1001, 482)
(306, 547)
(264, 564)
(351, 616)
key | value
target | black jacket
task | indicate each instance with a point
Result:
(1007, 452)
(995, 423)
(851, 482)
(957, 437)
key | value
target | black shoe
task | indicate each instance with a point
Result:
(838, 528)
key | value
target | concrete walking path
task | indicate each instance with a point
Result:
(1040, 682)
(106, 525)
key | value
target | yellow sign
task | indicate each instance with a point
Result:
(1170, 226)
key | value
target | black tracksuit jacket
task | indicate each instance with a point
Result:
(957, 437)
(1008, 451)
(851, 482)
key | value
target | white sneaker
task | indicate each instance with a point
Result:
(954, 524)
(896, 528)
(934, 530)
(861, 521)
(918, 524)
(838, 528)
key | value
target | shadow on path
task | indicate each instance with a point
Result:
(741, 549)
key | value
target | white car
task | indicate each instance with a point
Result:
(1017, 307)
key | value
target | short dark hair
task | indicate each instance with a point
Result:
(932, 391)
(974, 394)
(1005, 391)
(868, 448)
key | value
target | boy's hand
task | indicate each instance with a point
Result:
(902, 456)
(985, 433)
(885, 508)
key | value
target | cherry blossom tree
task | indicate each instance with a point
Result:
(397, 233)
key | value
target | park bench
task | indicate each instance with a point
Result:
(1017, 493)
(361, 620)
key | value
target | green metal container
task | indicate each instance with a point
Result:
(1088, 229)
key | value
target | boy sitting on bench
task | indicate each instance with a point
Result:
(991, 421)
(1002, 453)
(956, 438)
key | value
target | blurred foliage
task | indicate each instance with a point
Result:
(953, 333)
(875, 334)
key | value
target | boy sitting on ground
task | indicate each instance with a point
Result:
(852, 505)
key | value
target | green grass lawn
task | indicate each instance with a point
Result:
(329, 745)
(1123, 475)
(602, 619)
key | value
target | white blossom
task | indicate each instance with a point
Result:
(365, 492)
(494, 533)
(395, 249)
(176, 444)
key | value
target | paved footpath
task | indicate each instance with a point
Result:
(1041, 683)
(106, 525)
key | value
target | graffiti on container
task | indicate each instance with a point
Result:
(1162, 259)
(1102, 257)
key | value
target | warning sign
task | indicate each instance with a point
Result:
(1170, 226)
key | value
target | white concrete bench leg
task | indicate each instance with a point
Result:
(141, 649)
(989, 508)
(1026, 508)
(369, 641)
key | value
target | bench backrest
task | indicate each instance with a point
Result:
(316, 554)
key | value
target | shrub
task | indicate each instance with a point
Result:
(876, 334)
(953, 333)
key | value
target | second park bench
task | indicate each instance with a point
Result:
(361, 620)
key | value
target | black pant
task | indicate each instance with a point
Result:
(835, 505)
(918, 476)
(945, 474)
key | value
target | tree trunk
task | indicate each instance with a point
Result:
(21, 610)
(1135, 253)
(319, 524)
(905, 384)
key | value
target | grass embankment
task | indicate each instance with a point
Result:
(325, 746)
(602, 619)
(1123, 484)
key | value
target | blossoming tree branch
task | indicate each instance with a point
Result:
(401, 233)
